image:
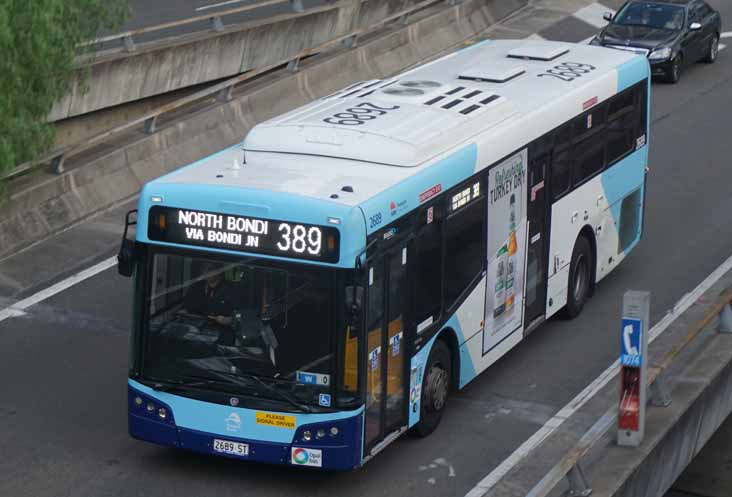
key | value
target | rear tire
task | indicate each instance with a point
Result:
(674, 73)
(580, 272)
(435, 389)
(712, 51)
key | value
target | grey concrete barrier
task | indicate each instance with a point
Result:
(45, 203)
(170, 64)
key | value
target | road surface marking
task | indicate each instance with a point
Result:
(592, 15)
(220, 4)
(728, 34)
(590, 390)
(18, 309)
(722, 46)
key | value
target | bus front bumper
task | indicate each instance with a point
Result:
(331, 452)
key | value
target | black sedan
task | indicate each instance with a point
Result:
(671, 33)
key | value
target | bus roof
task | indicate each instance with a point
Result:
(419, 118)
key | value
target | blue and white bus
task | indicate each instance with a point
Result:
(308, 296)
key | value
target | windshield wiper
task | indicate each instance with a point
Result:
(167, 386)
(282, 395)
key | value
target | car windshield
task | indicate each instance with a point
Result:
(253, 326)
(652, 15)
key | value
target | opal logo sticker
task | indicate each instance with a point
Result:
(397, 207)
(307, 457)
(233, 422)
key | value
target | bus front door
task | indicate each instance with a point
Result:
(386, 387)
(536, 263)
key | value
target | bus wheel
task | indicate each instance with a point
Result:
(435, 388)
(580, 272)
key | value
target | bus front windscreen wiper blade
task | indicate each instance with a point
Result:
(167, 386)
(282, 395)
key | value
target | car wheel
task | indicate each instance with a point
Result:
(674, 72)
(435, 388)
(713, 50)
(580, 272)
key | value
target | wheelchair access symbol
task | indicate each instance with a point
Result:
(631, 353)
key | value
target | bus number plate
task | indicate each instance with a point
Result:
(228, 447)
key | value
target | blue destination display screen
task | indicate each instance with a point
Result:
(246, 234)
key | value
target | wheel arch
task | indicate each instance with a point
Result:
(449, 336)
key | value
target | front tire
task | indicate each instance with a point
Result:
(435, 389)
(713, 51)
(674, 73)
(580, 273)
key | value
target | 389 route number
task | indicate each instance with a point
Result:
(358, 115)
(567, 71)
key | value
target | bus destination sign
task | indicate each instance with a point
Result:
(245, 234)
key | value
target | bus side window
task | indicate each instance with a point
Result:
(465, 254)
(428, 278)
(589, 144)
(621, 126)
(589, 122)
(561, 173)
(589, 158)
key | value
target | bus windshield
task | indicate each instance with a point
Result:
(254, 326)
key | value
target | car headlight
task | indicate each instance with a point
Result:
(660, 53)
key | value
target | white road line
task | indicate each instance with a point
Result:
(722, 46)
(592, 15)
(590, 390)
(19, 307)
(728, 34)
(214, 5)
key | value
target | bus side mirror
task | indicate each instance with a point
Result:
(608, 16)
(354, 299)
(126, 255)
(126, 258)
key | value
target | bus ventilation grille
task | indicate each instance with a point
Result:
(462, 100)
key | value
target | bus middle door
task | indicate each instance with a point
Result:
(387, 325)
(536, 263)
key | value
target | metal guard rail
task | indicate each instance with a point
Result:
(569, 465)
(223, 92)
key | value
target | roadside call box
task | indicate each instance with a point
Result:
(633, 380)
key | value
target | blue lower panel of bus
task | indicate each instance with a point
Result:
(153, 420)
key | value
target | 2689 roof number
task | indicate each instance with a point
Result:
(358, 115)
(568, 71)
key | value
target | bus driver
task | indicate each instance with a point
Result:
(212, 297)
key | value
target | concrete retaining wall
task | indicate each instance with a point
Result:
(44, 204)
(159, 67)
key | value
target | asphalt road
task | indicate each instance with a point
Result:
(63, 366)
